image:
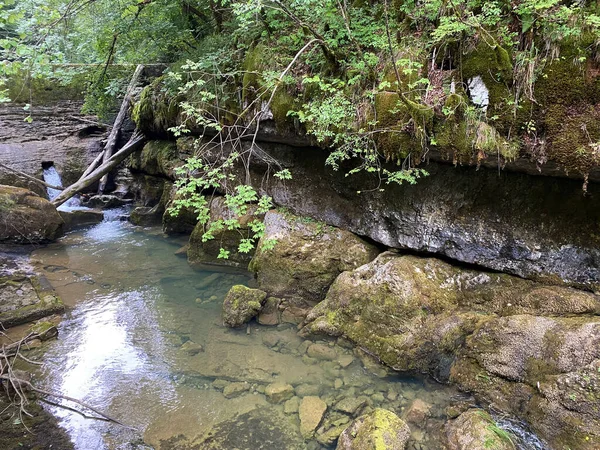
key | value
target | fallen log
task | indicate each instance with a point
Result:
(135, 143)
(113, 137)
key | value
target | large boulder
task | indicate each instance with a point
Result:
(241, 304)
(26, 218)
(379, 429)
(202, 251)
(475, 430)
(306, 258)
(510, 341)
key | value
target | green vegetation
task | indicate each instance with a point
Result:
(378, 84)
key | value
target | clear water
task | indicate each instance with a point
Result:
(134, 303)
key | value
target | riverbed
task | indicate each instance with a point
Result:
(143, 341)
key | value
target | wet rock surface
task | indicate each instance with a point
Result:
(509, 340)
(26, 218)
(378, 429)
(80, 218)
(24, 295)
(475, 430)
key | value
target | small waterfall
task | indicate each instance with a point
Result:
(51, 176)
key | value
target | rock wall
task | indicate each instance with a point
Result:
(58, 133)
(535, 227)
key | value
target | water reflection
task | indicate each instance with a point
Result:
(145, 343)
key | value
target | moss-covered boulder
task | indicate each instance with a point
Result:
(378, 430)
(434, 304)
(307, 256)
(26, 218)
(511, 342)
(241, 304)
(476, 430)
(545, 370)
(202, 251)
(157, 158)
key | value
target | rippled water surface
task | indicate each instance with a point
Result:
(143, 341)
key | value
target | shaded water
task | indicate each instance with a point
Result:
(130, 346)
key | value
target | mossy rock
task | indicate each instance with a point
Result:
(242, 304)
(157, 110)
(158, 158)
(24, 299)
(378, 430)
(476, 430)
(307, 257)
(26, 218)
(201, 251)
(437, 306)
(22, 88)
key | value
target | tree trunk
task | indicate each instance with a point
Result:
(135, 143)
(113, 137)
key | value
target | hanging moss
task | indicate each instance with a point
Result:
(282, 103)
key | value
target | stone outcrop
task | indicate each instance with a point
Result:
(241, 305)
(512, 342)
(26, 218)
(475, 430)
(379, 429)
(533, 226)
(59, 133)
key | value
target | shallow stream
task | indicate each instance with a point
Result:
(143, 341)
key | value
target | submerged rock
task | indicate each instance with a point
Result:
(312, 409)
(279, 392)
(475, 430)
(379, 429)
(26, 218)
(81, 218)
(242, 304)
(306, 259)
(25, 298)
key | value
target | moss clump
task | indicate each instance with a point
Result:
(156, 111)
(282, 103)
(242, 304)
(252, 66)
(493, 65)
